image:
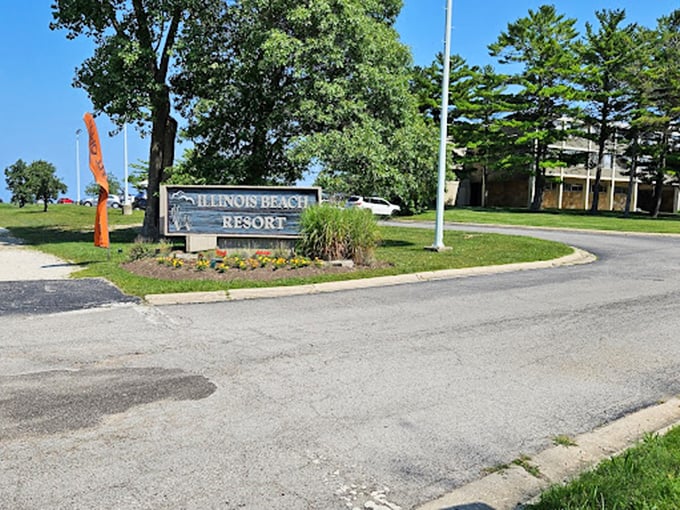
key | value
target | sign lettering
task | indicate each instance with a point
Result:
(236, 211)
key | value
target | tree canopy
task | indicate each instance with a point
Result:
(35, 181)
(542, 44)
(115, 187)
(275, 89)
(270, 90)
(128, 77)
(606, 52)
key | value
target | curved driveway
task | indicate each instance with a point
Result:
(375, 398)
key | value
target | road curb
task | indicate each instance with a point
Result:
(577, 257)
(401, 223)
(508, 489)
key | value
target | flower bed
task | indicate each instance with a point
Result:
(222, 266)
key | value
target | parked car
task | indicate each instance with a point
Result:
(112, 201)
(379, 206)
(64, 200)
(334, 199)
(139, 201)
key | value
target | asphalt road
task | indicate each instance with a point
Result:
(37, 297)
(378, 398)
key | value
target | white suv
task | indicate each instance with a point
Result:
(379, 206)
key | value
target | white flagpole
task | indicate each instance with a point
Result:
(125, 150)
(443, 134)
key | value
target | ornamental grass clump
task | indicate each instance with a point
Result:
(364, 235)
(331, 233)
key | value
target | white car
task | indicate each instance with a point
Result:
(379, 206)
(112, 201)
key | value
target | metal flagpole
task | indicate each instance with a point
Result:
(125, 150)
(443, 135)
(78, 131)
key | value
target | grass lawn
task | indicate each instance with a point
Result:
(613, 221)
(66, 231)
(644, 477)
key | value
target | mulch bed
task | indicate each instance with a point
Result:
(150, 268)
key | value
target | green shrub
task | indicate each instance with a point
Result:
(331, 233)
(141, 251)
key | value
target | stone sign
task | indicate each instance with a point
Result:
(235, 211)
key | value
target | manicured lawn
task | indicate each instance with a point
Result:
(644, 477)
(66, 231)
(667, 224)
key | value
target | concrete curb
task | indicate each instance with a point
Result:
(515, 486)
(577, 257)
(625, 233)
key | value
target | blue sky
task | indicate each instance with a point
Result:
(40, 111)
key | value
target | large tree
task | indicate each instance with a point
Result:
(542, 46)
(607, 52)
(658, 119)
(36, 181)
(44, 182)
(426, 86)
(481, 127)
(284, 87)
(128, 77)
(17, 178)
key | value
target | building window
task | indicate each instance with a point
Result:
(620, 190)
(573, 187)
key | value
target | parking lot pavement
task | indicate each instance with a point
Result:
(53, 296)
(34, 282)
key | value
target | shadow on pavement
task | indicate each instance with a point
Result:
(470, 506)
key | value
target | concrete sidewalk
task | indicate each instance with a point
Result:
(19, 263)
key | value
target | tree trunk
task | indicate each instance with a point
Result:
(631, 177)
(598, 175)
(161, 156)
(658, 195)
(602, 136)
(596, 190)
(539, 184)
(539, 181)
(485, 173)
(660, 174)
(163, 126)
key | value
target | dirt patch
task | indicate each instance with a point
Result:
(152, 269)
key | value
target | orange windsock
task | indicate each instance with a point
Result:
(101, 221)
